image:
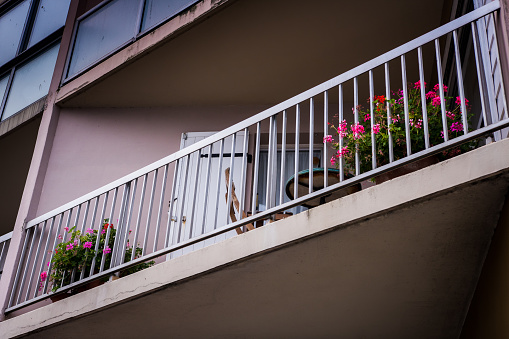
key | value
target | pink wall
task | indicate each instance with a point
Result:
(93, 147)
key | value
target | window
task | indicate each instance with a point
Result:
(102, 32)
(113, 24)
(156, 11)
(30, 82)
(29, 31)
(51, 15)
(11, 29)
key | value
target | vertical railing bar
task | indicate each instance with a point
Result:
(423, 98)
(273, 174)
(297, 137)
(389, 116)
(3, 244)
(169, 225)
(82, 273)
(483, 45)
(187, 161)
(59, 227)
(459, 73)
(76, 219)
(85, 215)
(495, 42)
(121, 257)
(30, 280)
(149, 215)
(480, 75)
(340, 118)
(3, 251)
(325, 131)
(44, 255)
(195, 193)
(269, 164)
(372, 118)
(243, 175)
(283, 159)
(441, 88)
(356, 121)
(34, 235)
(311, 141)
(405, 100)
(207, 184)
(160, 210)
(120, 223)
(230, 180)
(98, 238)
(20, 264)
(94, 213)
(67, 225)
(255, 174)
(140, 212)
(107, 238)
(219, 173)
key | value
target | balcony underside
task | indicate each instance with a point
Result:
(252, 52)
(400, 259)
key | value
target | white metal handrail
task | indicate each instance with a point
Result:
(42, 231)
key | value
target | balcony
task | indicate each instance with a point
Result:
(177, 210)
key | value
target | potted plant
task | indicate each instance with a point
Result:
(79, 252)
(357, 136)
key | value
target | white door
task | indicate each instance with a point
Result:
(209, 207)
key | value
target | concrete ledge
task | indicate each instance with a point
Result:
(486, 162)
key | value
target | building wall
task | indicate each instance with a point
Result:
(94, 147)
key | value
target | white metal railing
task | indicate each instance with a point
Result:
(4, 247)
(137, 203)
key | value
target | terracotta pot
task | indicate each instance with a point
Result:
(408, 168)
(59, 296)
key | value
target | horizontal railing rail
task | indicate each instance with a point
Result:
(129, 222)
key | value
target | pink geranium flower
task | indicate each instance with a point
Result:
(342, 152)
(327, 138)
(456, 127)
(376, 128)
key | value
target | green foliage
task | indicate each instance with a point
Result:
(80, 252)
(358, 137)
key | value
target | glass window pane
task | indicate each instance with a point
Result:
(102, 32)
(31, 82)
(3, 86)
(158, 10)
(51, 15)
(11, 28)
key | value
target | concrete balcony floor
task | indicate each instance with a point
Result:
(397, 260)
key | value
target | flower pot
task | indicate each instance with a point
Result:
(59, 296)
(408, 168)
(91, 284)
